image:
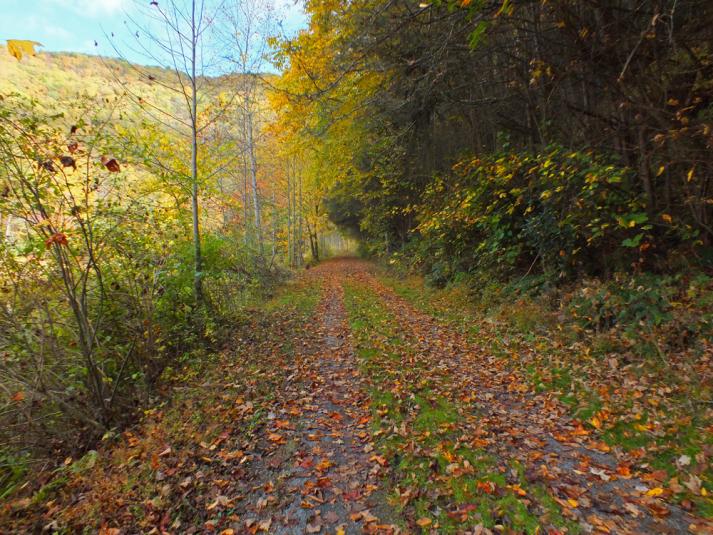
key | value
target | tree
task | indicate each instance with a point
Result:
(249, 26)
(180, 35)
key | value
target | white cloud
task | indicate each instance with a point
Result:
(57, 32)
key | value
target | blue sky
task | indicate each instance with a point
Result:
(74, 25)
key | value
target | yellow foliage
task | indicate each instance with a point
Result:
(18, 48)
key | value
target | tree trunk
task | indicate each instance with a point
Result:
(290, 237)
(198, 267)
(246, 202)
(253, 176)
(645, 174)
(300, 235)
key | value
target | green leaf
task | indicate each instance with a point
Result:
(633, 242)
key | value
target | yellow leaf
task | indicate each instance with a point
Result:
(661, 170)
(518, 490)
(666, 218)
(572, 503)
(340, 531)
(690, 174)
(18, 48)
(423, 522)
(596, 422)
(656, 491)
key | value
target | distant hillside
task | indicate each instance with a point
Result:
(57, 77)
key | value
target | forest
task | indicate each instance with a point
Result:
(414, 267)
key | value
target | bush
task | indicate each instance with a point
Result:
(559, 212)
(670, 311)
(96, 284)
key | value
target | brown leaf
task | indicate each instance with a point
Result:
(111, 164)
(331, 517)
(68, 161)
(58, 238)
(220, 501)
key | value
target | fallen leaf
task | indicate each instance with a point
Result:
(221, 501)
(424, 522)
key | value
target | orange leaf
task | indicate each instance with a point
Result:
(486, 486)
(623, 470)
(323, 465)
(59, 238)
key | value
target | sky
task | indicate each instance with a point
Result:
(74, 25)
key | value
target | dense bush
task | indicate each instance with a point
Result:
(96, 283)
(558, 212)
(647, 312)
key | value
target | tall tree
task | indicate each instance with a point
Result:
(249, 26)
(181, 37)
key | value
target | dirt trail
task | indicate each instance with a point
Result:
(533, 428)
(323, 477)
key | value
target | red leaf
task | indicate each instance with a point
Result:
(59, 238)
(111, 164)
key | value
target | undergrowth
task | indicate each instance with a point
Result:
(215, 400)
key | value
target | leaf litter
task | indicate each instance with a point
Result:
(340, 408)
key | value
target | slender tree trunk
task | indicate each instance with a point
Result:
(645, 174)
(290, 230)
(253, 176)
(198, 267)
(292, 201)
(274, 226)
(246, 203)
(300, 235)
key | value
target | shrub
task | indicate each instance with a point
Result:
(672, 312)
(559, 212)
(96, 283)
